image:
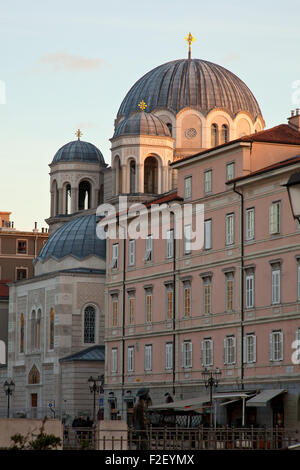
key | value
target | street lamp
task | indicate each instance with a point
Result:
(96, 386)
(211, 379)
(9, 387)
(293, 187)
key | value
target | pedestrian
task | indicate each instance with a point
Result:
(140, 420)
(169, 399)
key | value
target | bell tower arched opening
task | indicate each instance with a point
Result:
(84, 195)
(151, 175)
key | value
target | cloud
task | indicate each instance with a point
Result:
(65, 61)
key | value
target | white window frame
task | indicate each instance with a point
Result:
(207, 281)
(207, 352)
(229, 277)
(207, 181)
(187, 354)
(208, 234)
(187, 230)
(148, 293)
(115, 256)
(131, 253)
(229, 229)
(230, 174)
(276, 286)
(170, 244)
(114, 360)
(250, 223)
(148, 357)
(149, 249)
(276, 346)
(250, 348)
(250, 290)
(130, 359)
(229, 350)
(275, 217)
(169, 356)
(187, 187)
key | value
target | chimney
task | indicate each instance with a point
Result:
(294, 120)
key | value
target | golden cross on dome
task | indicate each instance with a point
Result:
(189, 39)
(78, 133)
(142, 105)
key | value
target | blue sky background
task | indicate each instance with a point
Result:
(69, 63)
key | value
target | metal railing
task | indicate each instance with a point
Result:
(176, 438)
(78, 438)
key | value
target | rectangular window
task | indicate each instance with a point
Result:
(207, 352)
(115, 256)
(276, 346)
(149, 248)
(131, 310)
(229, 350)
(170, 243)
(187, 239)
(250, 348)
(250, 290)
(21, 274)
(169, 356)
(207, 234)
(207, 295)
(275, 217)
(130, 359)
(187, 354)
(115, 305)
(131, 253)
(276, 274)
(187, 187)
(114, 360)
(22, 247)
(250, 224)
(187, 301)
(229, 171)
(148, 307)
(229, 227)
(229, 292)
(169, 304)
(208, 181)
(148, 357)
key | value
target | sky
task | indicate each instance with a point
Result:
(68, 64)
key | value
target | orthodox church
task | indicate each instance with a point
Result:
(57, 318)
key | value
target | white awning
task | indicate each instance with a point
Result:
(186, 405)
(262, 398)
(237, 395)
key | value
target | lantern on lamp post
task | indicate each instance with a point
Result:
(293, 187)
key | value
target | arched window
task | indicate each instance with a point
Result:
(34, 376)
(84, 196)
(117, 176)
(150, 175)
(33, 330)
(132, 176)
(38, 330)
(51, 329)
(54, 199)
(224, 134)
(22, 331)
(169, 126)
(214, 135)
(89, 324)
(68, 199)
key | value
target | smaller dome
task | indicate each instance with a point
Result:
(77, 238)
(141, 123)
(79, 151)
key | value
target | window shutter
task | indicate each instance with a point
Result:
(254, 348)
(272, 218)
(225, 351)
(271, 346)
(207, 234)
(281, 345)
(182, 354)
(297, 335)
(131, 252)
(245, 349)
(202, 354)
(191, 354)
(212, 351)
(234, 349)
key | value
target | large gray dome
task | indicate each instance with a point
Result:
(195, 83)
(76, 238)
(79, 151)
(141, 123)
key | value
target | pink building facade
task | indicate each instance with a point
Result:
(234, 304)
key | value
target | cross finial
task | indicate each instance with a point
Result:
(142, 105)
(78, 133)
(189, 39)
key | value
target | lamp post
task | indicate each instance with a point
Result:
(211, 379)
(9, 387)
(96, 386)
(293, 187)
